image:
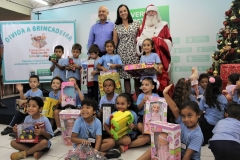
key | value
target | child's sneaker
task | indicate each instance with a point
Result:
(6, 131)
(113, 153)
(18, 155)
(57, 132)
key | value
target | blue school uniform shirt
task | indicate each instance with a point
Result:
(139, 100)
(76, 73)
(78, 101)
(104, 100)
(200, 89)
(52, 95)
(193, 139)
(235, 97)
(48, 126)
(30, 93)
(151, 58)
(227, 129)
(58, 72)
(95, 78)
(134, 121)
(113, 59)
(81, 128)
(213, 115)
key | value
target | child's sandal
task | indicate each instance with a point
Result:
(123, 148)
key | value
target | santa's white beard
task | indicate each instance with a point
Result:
(151, 20)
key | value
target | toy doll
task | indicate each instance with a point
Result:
(155, 112)
(163, 146)
(194, 81)
(71, 63)
(69, 126)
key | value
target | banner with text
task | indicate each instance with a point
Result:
(28, 45)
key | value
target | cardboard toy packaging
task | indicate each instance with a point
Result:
(67, 119)
(25, 132)
(141, 69)
(107, 110)
(155, 109)
(86, 76)
(165, 141)
(21, 108)
(68, 93)
(50, 105)
(112, 74)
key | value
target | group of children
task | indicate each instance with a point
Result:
(202, 120)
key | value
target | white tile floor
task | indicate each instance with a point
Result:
(58, 151)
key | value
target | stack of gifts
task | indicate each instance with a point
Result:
(112, 74)
(141, 69)
(155, 109)
(86, 76)
(68, 94)
(67, 119)
(165, 141)
(25, 132)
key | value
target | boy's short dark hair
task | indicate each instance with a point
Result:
(233, 78)
(38, 100)
(111, 80)
(90, 102)
(94, 49)
(59, 47)
(77, 46)
(233, 110)
(58, 78)
(34, 76)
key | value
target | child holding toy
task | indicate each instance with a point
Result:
(191, 135)
(58, 66)
(109, 61)
(230, 88)
(74, 69)
(225, 143)
(79, 98)
(34, 108)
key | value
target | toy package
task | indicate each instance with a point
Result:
(50, 105)
(53, 57)
(112, 74)
(68, 93)
(67, 119)
(107, 110)
(155, 109)
(165, 141)
(21, 107)
(141, 69)
(25, 132)
(86, 76)
(119, 124)
(71, 62)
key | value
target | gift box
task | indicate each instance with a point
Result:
(86, 76)
(107, 110)
(227, 69)
(68, 93)
(155, 109)
(112, 74)
(141, 69)
(67, 119)
(165, 141)
(21, 108)
(49, 106)
(25, 132)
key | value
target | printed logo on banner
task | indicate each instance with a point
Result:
(175, 59)
(198, 58)
(206, 49)
(176, 40)
(183, 50)
(39, 41)
(203, 68)
(183, 69)
(197, 39)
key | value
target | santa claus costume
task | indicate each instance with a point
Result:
(161, 37)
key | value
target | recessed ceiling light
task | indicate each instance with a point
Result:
(42, 2)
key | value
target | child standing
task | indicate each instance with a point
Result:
(191, 134)
(109, 61)
(225, 143)
(33, 92)
(79, 98)
(58, 68)
(214, 104)
(74, 69)
(94, 51)
(34, 109)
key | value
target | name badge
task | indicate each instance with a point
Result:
(183, 146)
(91, 140)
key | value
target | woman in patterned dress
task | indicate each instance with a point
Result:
(124, 37)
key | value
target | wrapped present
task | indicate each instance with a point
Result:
(227, 69)
(50, 105)
(107, 110)
(21, 107)
(112, 74)
(67, 119)
(68, 93)
(86, 76)
(165, 141)
(141, 69)
(25, 132)
(155, 109)
(119, 124)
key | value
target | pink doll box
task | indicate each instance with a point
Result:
(155, 109)
(86, 76)
(68, 93)
(141, 69)
(165, 141)
(67, 119)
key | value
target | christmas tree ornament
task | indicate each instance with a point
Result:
(237, 20)
(225, 23)
(233, 17)
(232, 4)
(215, 73)
(229, 43)
(227, 27)
(213, 55)
(239, 11)
(238, 51)
(219, 41)
(236, 42)
(232, 51)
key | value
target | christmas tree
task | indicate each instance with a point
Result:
(228, 40)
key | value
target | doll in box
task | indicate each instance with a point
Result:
(162, 146)
(69, 126)
(194, 81)
(156, 111)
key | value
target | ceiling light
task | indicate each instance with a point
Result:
(42, 2)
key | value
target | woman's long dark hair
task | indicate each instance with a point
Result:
(119, 19)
